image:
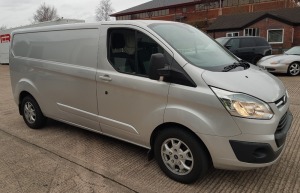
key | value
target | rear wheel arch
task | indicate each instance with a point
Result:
(22, 95)
(31, 112)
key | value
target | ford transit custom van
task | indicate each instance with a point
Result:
(165, 86)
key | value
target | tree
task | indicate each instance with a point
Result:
(103, 10)
(3, 27)
(45, 13)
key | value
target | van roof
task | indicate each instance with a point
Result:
(89, 25)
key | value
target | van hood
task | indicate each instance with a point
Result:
(252, 81)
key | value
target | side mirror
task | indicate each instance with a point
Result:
(228, 46)
(158, 66)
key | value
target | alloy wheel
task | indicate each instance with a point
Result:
(29, 112)
(177, 156)
(294, 69)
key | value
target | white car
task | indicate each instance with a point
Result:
(289, 62)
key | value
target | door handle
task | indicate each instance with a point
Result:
(105, 77)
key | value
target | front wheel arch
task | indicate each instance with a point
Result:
(164, 126)
(167, 125)
(203, 163)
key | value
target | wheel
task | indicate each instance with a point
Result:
(32, 113)
(294, 69)
(256, 59)
(180, 155)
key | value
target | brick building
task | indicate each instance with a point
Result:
(280, 27)
(200, 13)
(276, 20)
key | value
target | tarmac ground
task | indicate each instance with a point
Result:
(63, 158)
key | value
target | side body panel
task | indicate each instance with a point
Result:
(198, 108)
(58, 68)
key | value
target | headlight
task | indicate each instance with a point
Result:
(243, 105)
(275, 62)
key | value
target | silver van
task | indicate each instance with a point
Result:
(161, 85)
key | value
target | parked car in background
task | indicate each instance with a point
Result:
(289, 62)
(248, 48)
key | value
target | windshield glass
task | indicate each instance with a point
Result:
(294, 51)
(193, 45)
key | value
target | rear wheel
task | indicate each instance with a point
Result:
(294, 69)
(32, 113)
(180, 155)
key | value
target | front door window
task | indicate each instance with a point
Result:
(130, 51)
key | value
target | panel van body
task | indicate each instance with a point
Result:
(161, 85)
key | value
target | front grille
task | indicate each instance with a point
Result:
(282, 123)
(280, 133)
(270, 69)
(280, 102)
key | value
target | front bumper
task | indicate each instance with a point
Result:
(248, 151)
(274, 68)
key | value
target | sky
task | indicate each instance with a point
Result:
(14, 13)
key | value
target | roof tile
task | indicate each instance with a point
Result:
(152, 5)
(238, 21)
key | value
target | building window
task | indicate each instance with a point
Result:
(124, 17)
(160, 13)
(143, 15)
(184, 10)
(243, 2)
(234, 2)
(232, 34)
(251, 32)
(207, 5)
(199, 7)
(275, 36)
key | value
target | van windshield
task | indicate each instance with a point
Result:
(193, 45)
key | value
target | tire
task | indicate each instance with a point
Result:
(256, 59)
(294, 69)
(177, 165)
(32, 113)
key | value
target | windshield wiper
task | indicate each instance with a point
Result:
(235, 65)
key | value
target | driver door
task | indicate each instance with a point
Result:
(130, 104)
